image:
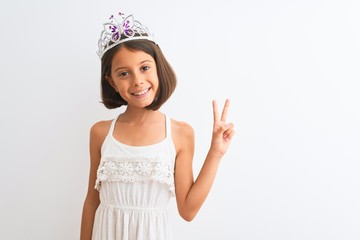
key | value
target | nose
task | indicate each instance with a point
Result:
(138, 80)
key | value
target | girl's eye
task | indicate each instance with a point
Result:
(123, 74)
(144, 68)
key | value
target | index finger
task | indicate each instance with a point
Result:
(215, 111)
(225, 110)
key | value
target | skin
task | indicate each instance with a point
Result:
(134, 76)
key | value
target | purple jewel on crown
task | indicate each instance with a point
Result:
(121, 28)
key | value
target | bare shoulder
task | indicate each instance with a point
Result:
(182, 134)
(99, 130)
(101, 126)
(181, 129)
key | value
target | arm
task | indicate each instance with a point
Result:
(190, 194)
(97, 136)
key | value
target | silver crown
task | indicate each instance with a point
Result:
(119, 29)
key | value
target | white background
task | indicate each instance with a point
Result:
(290, 69)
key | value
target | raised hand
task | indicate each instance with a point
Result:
(222, 132)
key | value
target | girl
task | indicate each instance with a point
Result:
(143, 157)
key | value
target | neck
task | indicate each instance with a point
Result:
(139, 115)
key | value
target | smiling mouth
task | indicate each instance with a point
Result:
(141, 92)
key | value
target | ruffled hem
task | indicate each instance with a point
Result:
(135, 169)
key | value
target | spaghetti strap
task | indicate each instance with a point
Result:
(112, 126)
(168, 126)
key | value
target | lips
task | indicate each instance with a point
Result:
(140, 93)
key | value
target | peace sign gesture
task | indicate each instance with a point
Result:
(222, 132)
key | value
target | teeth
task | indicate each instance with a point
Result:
(141, 93)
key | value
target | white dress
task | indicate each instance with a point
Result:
(135, 184)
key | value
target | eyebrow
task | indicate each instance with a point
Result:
(142, 62)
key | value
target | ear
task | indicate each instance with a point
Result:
(111, 82)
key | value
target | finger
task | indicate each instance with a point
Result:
(229, 136)
(228, 128)
(215, 110)
(225, 110)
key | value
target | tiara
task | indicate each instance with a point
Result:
(121, 28)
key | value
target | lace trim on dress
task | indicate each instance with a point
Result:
(135, 169)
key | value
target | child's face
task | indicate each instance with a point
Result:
(134, 76)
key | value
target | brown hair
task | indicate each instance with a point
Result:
(166, 75)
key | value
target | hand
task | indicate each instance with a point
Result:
(222, 132)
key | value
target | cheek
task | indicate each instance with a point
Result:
(120, 88)
(156, 84)
(155, 78)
